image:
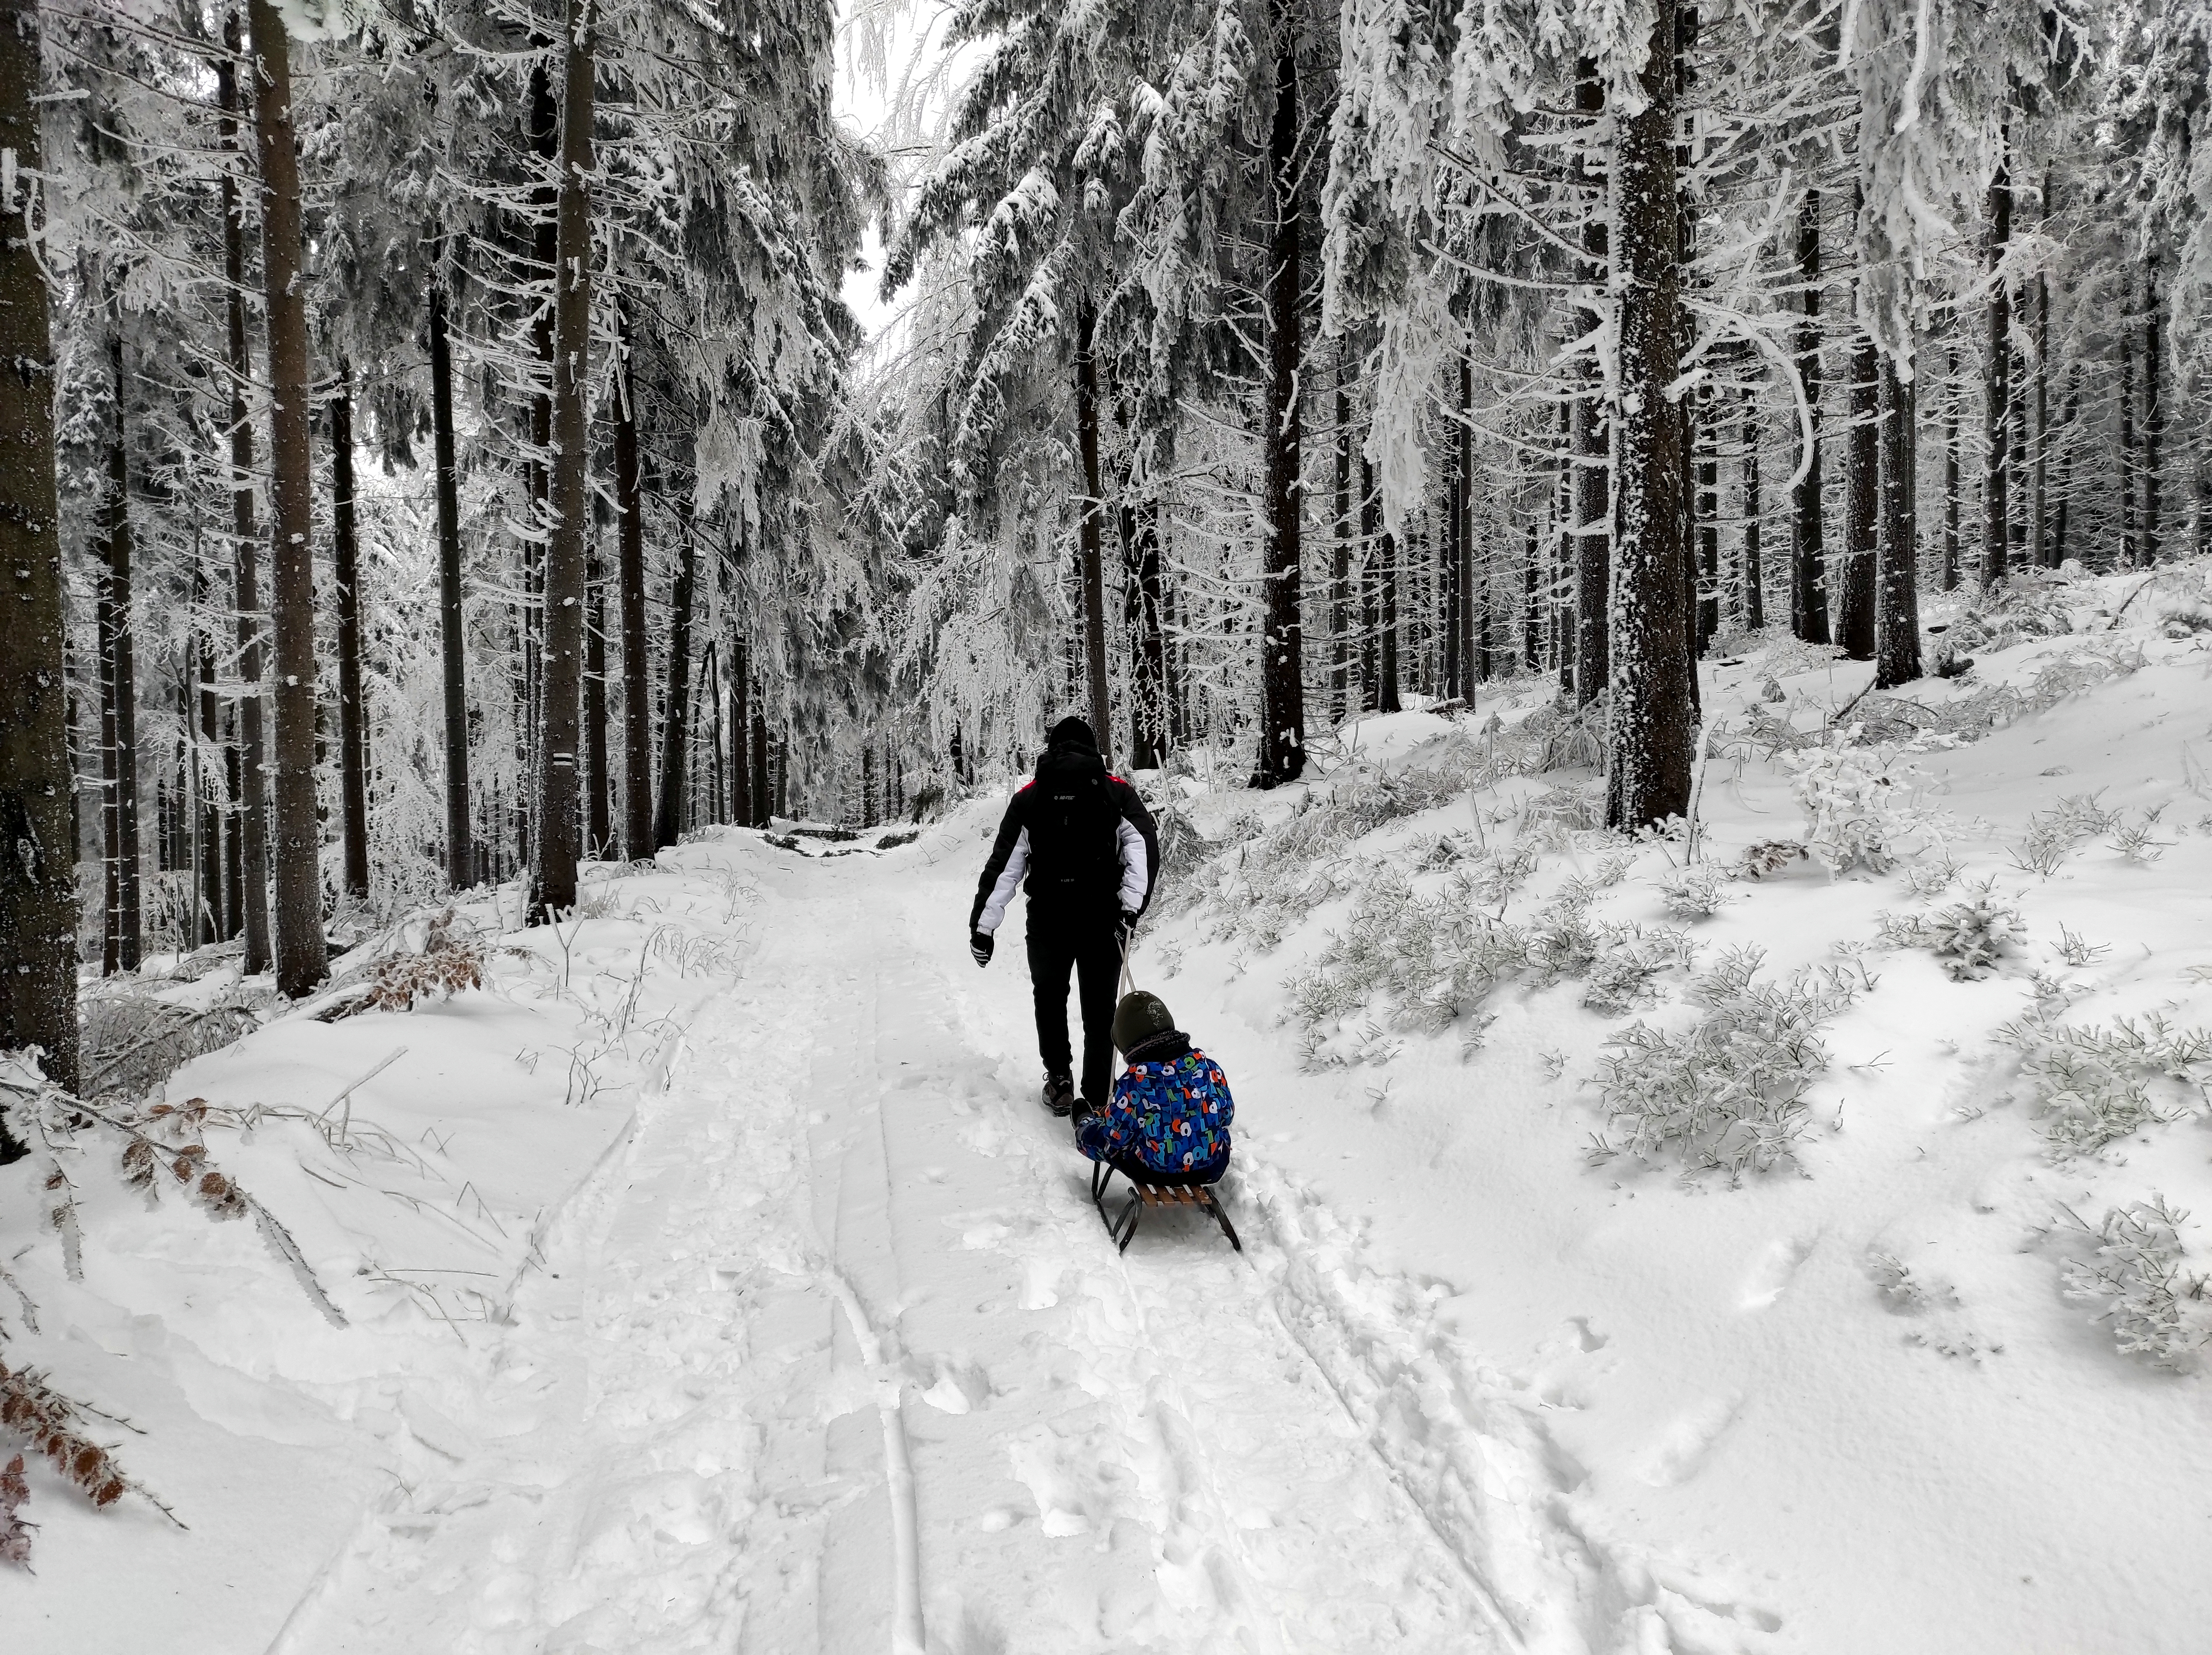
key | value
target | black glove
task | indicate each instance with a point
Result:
(1124, 929)
(980, 945)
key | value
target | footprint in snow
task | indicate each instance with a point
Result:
(1770, 1272)
(1681, 1449)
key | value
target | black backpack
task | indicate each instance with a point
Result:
(1074, 824)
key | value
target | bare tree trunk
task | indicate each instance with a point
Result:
(1371, 591)
(1340, 585)
(741, 724)
(1754, 571)
(598, 833)
(637, 691)
(1808, 598)
(675, 729)
(1283, 735)
(1091, 530)
(1386, 581)
(1855, 591)
(212, 815)
(1996, 413)
(120, 677)
(1950, 467)
(460, 832)
(1593, 541)
(1463, 524)
(2129, 552)
(1148, 709)
(1705, 516)
(353, 712)
(1650, 716)
(38, 878)
(763, 799)
(2039, 538)
(1897, 659)
(2153, 417)
(563, 621)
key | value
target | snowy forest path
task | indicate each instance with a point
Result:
(833, 1354)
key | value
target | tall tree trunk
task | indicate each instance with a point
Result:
(763, 799)
(2039, 536)
(2154, 416)
(120, 718)
(563, 620)
(1754, 569)
(675, 730)
(1650, 718)
(1950, 467)
(460, 830)
(531, 613)
(1808, 574)
(1855, 591)
(38, 878)
(1997, 407)
(2059, 518)
(1705, 514)
(2130, 551)
(353, 712)
(1339, 584)
(1386, 583)
(1090, 530)
(1283, 736)
(1593, 554)
(1148, 704)
(1897, 659)
(1463, 518)
(1371, 591)
(302, 959)
(249, 839)
(637, 676)
(741, 724)
(598, 808)
(210, 906)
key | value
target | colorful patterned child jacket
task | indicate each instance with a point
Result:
(1172, 1117)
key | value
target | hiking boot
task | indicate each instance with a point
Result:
(1085, 1108)
(1059, 1094)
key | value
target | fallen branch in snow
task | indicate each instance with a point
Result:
(49, 1423)
(163, 1145)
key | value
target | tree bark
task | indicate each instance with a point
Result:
(1463, 520)
(741, 724)
(675, 729)
(302, 960)
(2153, 418)
(460, 849)
(38, 878)
(1808, 598)
(1386, 584)
(1339, 584)
(209, 907)
(1371, 591)
(598, 831)
(1997, 409)
(763, 799)
(563, 620)
(1282, 737)
(1754, 569)
(1651, 719)
(1897, 659)
(353, 712)
(1090, 530)
(1854, 594)
(2129, 557)
(637, 676)
(118, 689)
(1950, 467)
(1148, 721)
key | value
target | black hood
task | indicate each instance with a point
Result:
(1072, 732)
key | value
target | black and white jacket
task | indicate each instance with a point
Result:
(1139, 845)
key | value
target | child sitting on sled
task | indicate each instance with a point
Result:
(1168, 1120)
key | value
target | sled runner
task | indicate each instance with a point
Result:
(1144, 1194)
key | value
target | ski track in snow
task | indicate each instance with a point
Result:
(834, 1354)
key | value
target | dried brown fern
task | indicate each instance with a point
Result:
(14, 1528)
(446, 965)
(51, 1424)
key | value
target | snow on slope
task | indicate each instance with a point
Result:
(798, 1331)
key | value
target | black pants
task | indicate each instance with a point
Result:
(1086, 945)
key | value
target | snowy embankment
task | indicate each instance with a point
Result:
(710, 1279)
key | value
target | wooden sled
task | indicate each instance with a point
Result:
(1123, 1229)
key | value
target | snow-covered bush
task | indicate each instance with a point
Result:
(2053, 835)
(2133, 840)
(1967, 938)
(1727, 1093)
(1696, 892)
(2029, 605)
(2093, 1086)
(1862, 806)
(135, 1033)
(2134, 1274)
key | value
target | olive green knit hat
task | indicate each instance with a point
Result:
(1138, 1017)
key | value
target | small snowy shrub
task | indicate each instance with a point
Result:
(1967, 938)
(1861, 807)
(2133, 841)
(2135, 1273)
(2053, 835)
(1929, 880)
(1728, 1094)
(1697, 892)
(2092, 1086)
(2077, 951)
(2184, 621)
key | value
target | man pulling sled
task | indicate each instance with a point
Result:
(1086, 845)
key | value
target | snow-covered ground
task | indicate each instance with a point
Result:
(711, 1280)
